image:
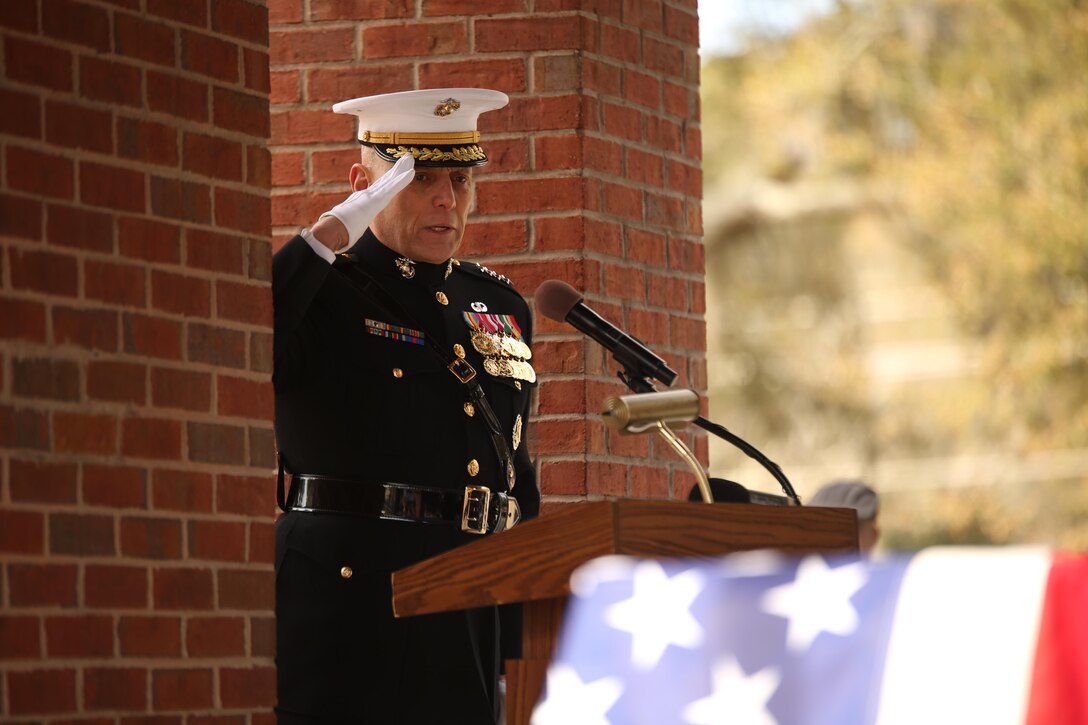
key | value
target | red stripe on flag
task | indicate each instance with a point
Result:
(1059, 687)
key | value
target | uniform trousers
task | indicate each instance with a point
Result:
(341, 655)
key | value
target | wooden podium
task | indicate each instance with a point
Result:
(532, 563)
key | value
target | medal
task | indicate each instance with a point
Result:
(484, 343)
(507, 345)
(525, 371)
(498, 339)
(501, 367)
(519, 348)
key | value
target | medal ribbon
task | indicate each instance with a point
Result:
(497, 324)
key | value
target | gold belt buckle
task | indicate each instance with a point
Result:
(475, 508)
(462, 370)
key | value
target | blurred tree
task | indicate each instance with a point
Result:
(975, 112)
(968, 119)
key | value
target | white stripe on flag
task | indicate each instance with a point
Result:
(963, 637)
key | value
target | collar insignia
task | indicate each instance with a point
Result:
(406, 267)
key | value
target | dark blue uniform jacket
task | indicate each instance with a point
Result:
(357, 399)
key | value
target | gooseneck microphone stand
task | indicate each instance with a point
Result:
(642, 384)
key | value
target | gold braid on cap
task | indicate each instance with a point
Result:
(420, 139)
(460, 153)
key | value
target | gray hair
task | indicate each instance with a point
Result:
(849, 494)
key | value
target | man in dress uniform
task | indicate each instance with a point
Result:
(402, 379)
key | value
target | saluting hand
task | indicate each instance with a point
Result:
(357, 211)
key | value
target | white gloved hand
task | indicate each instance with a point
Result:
(358, 210)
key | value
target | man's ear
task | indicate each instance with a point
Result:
(357, 178)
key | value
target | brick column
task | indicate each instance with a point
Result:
(135, 324)
(595, 179)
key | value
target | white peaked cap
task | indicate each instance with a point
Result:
(436, 125)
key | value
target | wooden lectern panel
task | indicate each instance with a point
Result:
(531, 561)
(535, 560)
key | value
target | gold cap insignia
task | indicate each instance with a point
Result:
(447, 107)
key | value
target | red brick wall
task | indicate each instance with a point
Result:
(595, 179)
(135, 413)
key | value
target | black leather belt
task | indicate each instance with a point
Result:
(475, 509)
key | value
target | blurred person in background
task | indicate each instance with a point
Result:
(860, 497)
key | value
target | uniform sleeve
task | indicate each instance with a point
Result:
(297, 275)
(528, 495)
(526, 491)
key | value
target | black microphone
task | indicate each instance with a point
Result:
(559, 301)
(722, 490)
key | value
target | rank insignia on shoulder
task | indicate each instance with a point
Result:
(394, 332)
(479, 268)
(496, 275)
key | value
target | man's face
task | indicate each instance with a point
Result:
(426, 220)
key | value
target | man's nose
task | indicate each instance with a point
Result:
(444, 198)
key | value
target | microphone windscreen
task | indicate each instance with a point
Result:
(555, 299)
(723, 491)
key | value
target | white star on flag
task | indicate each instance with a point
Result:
(737, 697)
(658, 614)
(756, 563)
(817, 600)
(569, 700)
(585, 579)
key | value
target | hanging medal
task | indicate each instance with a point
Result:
(498, 338)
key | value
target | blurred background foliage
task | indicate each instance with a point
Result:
(896, 217)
